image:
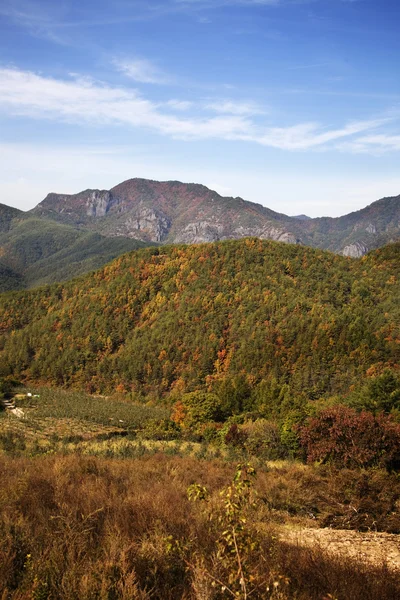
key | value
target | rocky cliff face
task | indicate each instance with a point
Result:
(142, 223)
(175, 212)
(355, 250)
(98, 203)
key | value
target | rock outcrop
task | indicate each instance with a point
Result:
(355, 250)
(98, 203)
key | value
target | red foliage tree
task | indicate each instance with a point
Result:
(346, 438)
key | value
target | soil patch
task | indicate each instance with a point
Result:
(373, 548)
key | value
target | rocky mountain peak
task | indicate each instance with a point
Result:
(176, 212)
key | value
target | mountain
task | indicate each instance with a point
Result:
(36, 251)
(359, 232)
(66, 235)
(167, 212)
(286, 320)
(7, 214)
(302, 217)
(174, 212)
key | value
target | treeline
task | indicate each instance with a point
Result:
(257, 321)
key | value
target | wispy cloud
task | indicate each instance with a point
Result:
(141, 70)
(179, 105)
(80, 100)
(373, 144)
(77, 100)
(38, 19)
(55, 22)
(310, 66)
(26, 12)
(310, 135)
(51, 19)
(234, 108)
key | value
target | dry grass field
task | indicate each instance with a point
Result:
(92, 509)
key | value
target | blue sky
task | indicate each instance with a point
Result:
(291, 103)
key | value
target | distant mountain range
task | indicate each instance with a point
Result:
(65, 235)
(174, 212)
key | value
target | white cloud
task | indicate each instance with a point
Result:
(180, 105)
(141, 70)
(373, 144)
(77, 100)
(309, 135)
(80, 100)
(234, 108)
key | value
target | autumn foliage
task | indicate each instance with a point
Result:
(232, 318)
(341, 436)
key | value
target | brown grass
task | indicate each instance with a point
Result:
(78, 528)
(361, 500)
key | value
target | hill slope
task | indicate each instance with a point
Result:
(7, 214)
(36, 251)
(295, 320)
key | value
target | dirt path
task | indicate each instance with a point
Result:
(374, 548)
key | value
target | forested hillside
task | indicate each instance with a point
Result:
(7, 214)
(258, 322)
(38, 251)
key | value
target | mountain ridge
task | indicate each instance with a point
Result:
(69, 234)
(175, 212)
(166, 212)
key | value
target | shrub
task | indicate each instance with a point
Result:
(210, 431)
(235, 436)
(289, 432)
(160, 429)
(238, 547)
(263, 439)
(195, 408)
(341, 436)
